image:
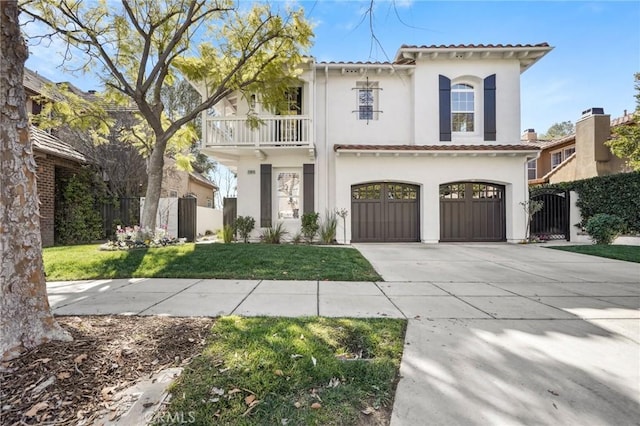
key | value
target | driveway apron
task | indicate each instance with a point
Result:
(513, 334)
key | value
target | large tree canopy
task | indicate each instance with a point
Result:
(138, 48)
(625, 142)
(559, 130)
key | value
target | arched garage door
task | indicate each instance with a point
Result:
(385, 212)
(472, 211)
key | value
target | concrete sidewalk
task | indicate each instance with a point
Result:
(412, 300)
(497, 334)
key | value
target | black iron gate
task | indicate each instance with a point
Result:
(552, 222)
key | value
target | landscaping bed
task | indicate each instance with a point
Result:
(69, 383)
(236, 370)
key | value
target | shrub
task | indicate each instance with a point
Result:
(310, 226)
(227, 234)
(604, 228)
(244, 225)
(78, 220)
(328, 228)
(273, 235)
(614, 194)
(297, 238)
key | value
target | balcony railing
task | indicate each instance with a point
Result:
(276, 130)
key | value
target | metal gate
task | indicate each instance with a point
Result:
(187, 218)
(385, 212)
(472, 211)
(552, 222)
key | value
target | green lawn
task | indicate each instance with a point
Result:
(271, 371)
(231, 261)
(628, 253)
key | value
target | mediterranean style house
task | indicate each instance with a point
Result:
(580, 155)
(425, 148)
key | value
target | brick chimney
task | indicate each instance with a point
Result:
(530, 135)
(593, 129)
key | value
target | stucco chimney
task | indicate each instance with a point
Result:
(592, 131)
(530, 135)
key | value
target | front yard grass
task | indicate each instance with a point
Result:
(278, 371)
(230, 261)
(618, 252)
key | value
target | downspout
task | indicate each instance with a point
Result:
(326, 134)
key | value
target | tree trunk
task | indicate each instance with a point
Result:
(154, 185)
(25, 316)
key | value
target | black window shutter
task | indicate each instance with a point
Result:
(309, 188)
(445, 108)
(490, 108)
(265, 195)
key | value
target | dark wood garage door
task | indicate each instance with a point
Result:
(385, 212)
(472, 211)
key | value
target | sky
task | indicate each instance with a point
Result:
(596, 45)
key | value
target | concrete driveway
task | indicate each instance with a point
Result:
(510, 334)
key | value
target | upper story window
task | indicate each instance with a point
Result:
(365, 104)
(367, 100)
(462, 108)
(559, 156)
(532, 169)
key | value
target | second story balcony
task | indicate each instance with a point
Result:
(273, 131)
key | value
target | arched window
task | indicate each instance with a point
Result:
(462, 107)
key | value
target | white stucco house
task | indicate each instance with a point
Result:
(425, 148)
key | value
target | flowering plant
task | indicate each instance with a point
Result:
(131, 237)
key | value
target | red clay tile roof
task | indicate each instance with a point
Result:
(615, 122)
(354, 63)
(521, 147)
(473, 46)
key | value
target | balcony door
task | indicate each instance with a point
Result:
(289, 129)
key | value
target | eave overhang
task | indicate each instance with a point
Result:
(438, 150)
(526, 54)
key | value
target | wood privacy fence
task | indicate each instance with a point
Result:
(229, 211)
(125, 211)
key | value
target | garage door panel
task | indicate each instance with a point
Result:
(367, 217)
(472, 211)
(385, 212)
(402, 222)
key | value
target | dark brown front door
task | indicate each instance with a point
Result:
(472, 211)
(385, 212)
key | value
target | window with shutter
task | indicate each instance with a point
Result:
(444, 84)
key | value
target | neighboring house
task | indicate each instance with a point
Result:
(580, 155)
(424, 148)
(55, 159)
(179, 183)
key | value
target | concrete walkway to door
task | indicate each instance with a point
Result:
(504, 334)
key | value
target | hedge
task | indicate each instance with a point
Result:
(615, 194)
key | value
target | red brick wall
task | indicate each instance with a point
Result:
(46, 177)
(45, 174)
